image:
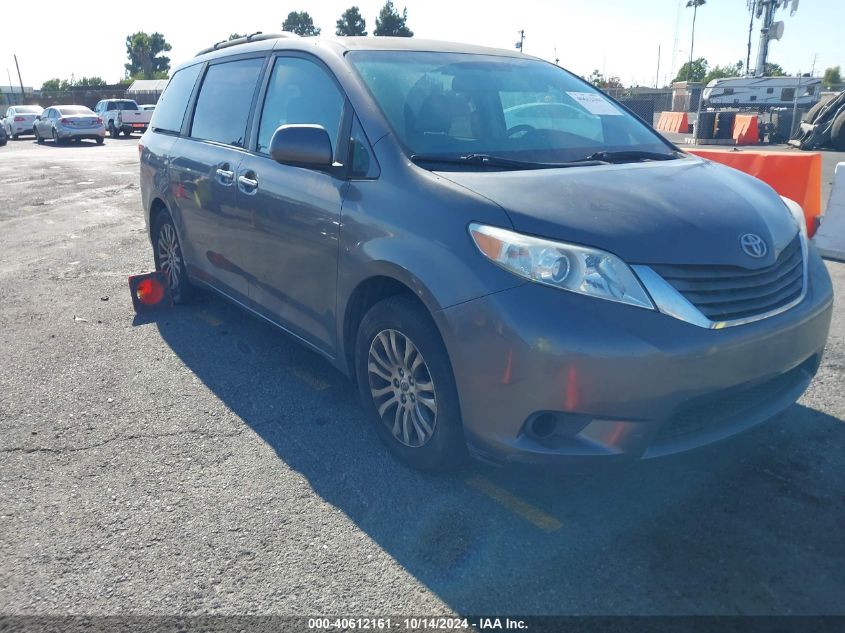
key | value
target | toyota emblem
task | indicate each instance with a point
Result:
(753, 245)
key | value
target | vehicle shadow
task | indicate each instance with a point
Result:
(750, 526)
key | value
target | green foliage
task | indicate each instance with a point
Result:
(66, 85)
(300, 22)
(390, 23)
(145, 58)
(720, 72)
(693, 72)
(832, 78)
(774, 70)
(694, 4)
(600, 81)
(351, 23)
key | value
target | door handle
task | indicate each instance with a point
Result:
(248, 185)
(225, 177)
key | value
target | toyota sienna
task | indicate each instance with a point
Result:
(507, 262)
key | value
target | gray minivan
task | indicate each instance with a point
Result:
(507, 262)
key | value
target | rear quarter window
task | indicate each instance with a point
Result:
(171, 108)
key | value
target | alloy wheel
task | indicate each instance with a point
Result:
(169, 255)
(402, 388)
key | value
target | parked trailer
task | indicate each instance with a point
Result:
(762, 92)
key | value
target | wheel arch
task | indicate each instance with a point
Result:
(367, 292)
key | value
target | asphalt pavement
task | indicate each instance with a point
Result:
(201, 462)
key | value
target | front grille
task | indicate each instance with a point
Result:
(727, 293)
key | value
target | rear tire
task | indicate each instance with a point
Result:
(837, 132)
(407, 387)
(100, 140)
(113, 131)
(167, 251)
(15, 137)
(56, 138)
(127, 133)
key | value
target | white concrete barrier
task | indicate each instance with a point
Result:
(830, 238)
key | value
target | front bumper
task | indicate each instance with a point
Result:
(545, 375)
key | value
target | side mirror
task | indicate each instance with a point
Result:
(302, 145)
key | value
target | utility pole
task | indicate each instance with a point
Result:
(657, 74)
(521, 40)
(752, 7)
(11, 87)
(19, 76)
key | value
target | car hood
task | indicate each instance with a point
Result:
(685, 211)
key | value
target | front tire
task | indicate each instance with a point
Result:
(167, 251)
(407, 387)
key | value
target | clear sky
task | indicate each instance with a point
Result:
(618, 37)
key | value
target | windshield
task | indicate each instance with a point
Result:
(125, 105)
(28, 109)
(71, 110)
(458, 104)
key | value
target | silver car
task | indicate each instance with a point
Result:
(19, 119)
(69, 122)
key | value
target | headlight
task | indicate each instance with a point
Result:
(587, 271)
(797, 215)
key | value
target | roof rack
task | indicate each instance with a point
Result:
(254, 37)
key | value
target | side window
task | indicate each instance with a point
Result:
(173, 103)
(300, 91)
(787, 94)
(224, 102)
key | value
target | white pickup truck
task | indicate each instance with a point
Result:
(123, 115)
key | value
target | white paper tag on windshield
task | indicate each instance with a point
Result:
(595, 103)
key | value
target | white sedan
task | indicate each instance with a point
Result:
(19, 119)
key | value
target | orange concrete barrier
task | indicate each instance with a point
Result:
(796, 175)
(673, 122)
(746, 129)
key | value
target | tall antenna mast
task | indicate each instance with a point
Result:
(521, 41)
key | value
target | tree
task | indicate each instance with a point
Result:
(720, 72)
(235, 36)
(300, 22)
(390, 23)
(66, 85)
(145, 58)
(694, 4)
(832, 78)
(774, 70)
(351, 23)
(693, 71)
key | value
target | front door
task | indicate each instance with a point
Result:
(294, 213)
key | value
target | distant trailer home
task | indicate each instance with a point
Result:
(762, 92)
(146, 91)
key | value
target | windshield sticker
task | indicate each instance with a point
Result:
(595, 103)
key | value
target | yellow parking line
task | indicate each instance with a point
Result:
(316, 383)
(516, 505)
(212, 320)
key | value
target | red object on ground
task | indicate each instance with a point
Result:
(150, 292)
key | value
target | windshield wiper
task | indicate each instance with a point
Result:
(486, 160)
(627, 156)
